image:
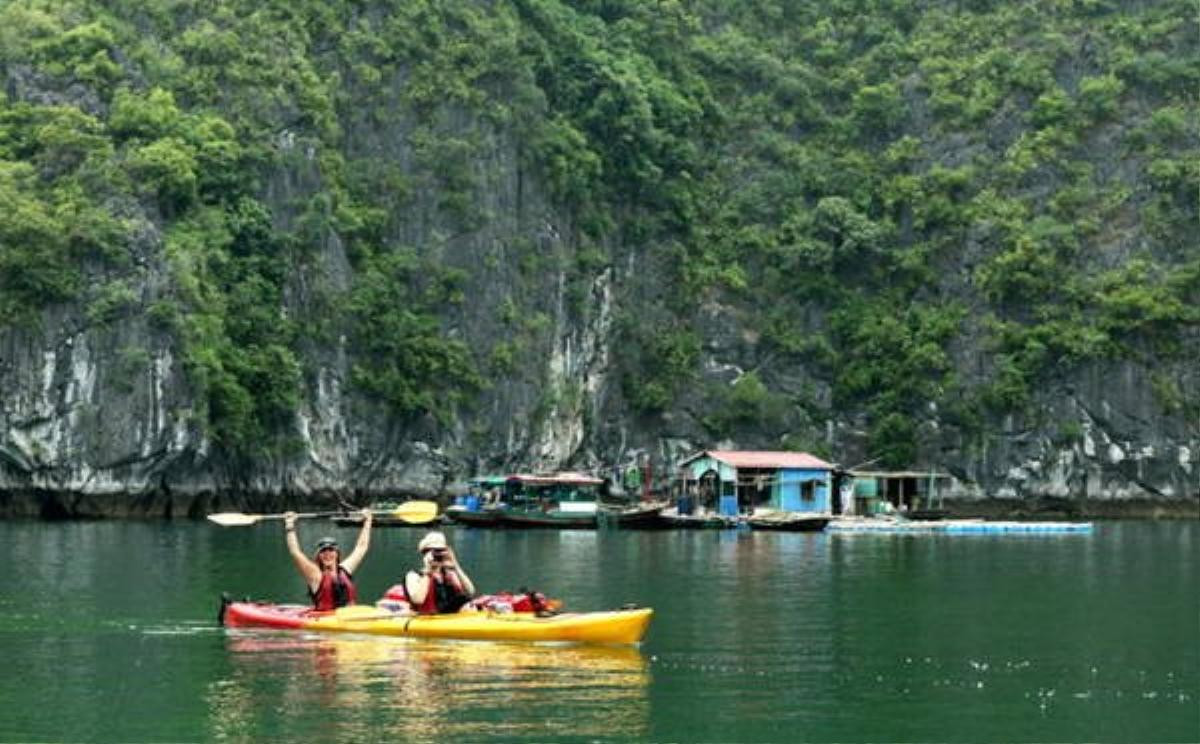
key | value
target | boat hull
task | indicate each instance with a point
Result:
(701, 522)
(557, 520)
(633, 518)
(789, 524)
(613, 627)
(476, 518)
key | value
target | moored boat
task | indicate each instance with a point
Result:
(562, 519)
(555, 500)
(633, 517)
(484, 516)
(927, 515)
(788, 522)
(625, 626)
(698, 521)
(481, 505)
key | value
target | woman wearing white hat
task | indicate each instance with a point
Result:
(442, 586)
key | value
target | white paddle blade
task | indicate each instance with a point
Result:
(234, 519)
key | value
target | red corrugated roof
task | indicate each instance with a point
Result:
(759, 459)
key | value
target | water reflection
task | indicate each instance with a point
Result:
(427, 691)
(770, 637)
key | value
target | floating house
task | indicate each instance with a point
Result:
(738, 482)
(911, 491)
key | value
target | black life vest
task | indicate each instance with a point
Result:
(445, 596)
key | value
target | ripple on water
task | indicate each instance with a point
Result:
(186, 628)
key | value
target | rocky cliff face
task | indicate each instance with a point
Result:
(1106, 450)
(101, 418)
(89, 429)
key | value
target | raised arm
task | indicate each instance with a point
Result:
(417, 585)
(467, 585)
(304, 564)
(363, 544)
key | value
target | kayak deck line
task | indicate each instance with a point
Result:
(621, 627)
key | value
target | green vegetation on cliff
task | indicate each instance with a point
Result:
(882, 190)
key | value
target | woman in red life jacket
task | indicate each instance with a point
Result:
(330, 579)
(442, 586)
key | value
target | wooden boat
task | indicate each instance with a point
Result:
(555, 501)
(633, 517)
(485, 516)
(927, 515)
(626, 626)
(550, 518)
(788, 522)
(480, 506)
(702, 522)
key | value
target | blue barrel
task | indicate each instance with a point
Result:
(472, 503)
(686, 505)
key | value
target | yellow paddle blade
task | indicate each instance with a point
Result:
(234, 519)
(415, 512)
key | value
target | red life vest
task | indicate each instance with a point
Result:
(445, 595)
(335, 590)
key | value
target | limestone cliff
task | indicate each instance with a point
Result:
(649, 234)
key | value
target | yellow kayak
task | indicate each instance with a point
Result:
(614, 627)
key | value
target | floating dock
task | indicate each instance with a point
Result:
(954, 527)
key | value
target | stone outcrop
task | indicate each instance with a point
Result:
(100, 419)
(84, 432)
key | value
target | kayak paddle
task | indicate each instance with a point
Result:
(413, 512)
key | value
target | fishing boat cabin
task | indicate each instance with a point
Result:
(565, 500)
(730, 483)
(553, 489)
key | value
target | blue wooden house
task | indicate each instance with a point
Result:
(738, 482)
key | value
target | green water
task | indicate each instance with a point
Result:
(107, 632)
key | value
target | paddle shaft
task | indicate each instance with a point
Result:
(303, 515)
(416, 512)
(374, 512)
